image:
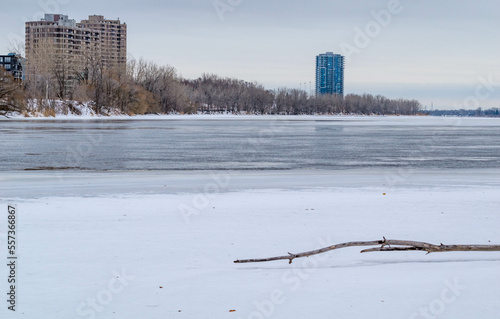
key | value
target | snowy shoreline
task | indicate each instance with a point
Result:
(162, 244)
(377, 120)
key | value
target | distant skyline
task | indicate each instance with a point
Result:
(441, 52)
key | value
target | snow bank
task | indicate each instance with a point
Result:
(63, 110)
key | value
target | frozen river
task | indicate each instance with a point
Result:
(89, 214)
(249, 143)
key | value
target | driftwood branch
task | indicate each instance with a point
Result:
(385, 245)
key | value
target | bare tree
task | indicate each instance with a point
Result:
(11, 94)
(162, 82)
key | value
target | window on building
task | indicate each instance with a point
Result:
(7, 67)
(7, 59)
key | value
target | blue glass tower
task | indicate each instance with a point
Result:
(330, 73)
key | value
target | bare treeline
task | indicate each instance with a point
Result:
(146, 87)
(211, 93)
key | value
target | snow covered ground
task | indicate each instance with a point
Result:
(162, 244)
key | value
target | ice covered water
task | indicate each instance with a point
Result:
(249, 143)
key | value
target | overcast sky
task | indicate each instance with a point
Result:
(443, 52)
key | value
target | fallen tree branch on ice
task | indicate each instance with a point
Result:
(385, 245)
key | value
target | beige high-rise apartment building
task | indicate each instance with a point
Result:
(56, 48)
(112, 39)
(63, 47)
(58, 32)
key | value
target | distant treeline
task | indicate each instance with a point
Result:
(146, 87)
(494, 112)
(211, 93)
